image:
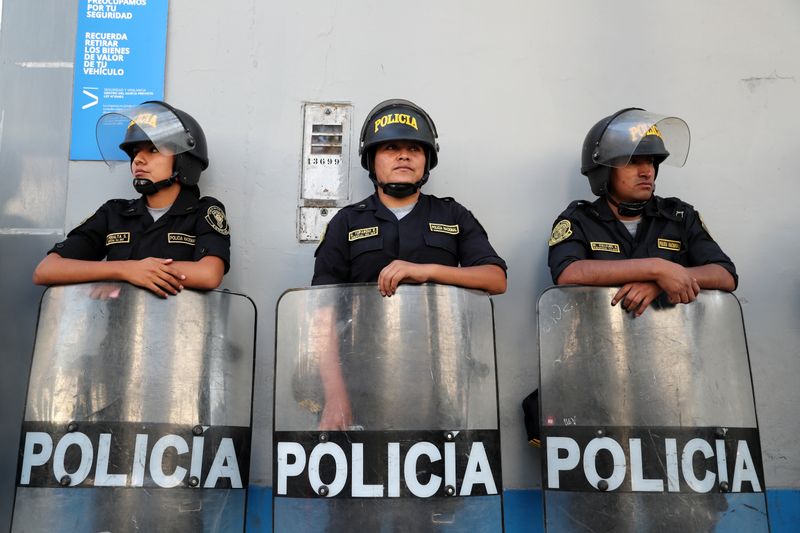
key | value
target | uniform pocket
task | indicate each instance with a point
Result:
(362, 246)
(443, 241)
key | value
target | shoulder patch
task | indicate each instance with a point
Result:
(215, 217)
(561, 231)
(703, 223)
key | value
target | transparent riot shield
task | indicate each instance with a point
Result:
(648, 423)
(386, 411)
(138, 412)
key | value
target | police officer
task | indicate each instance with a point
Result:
(629, 236)
(168, 239)
(400, 235)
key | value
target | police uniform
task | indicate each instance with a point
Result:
(669, 228)
(365, 237)
(191, 229)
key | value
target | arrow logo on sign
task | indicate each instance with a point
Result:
(92, 96)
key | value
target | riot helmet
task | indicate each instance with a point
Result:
(169, 129)
(614, 140)
(398, 120)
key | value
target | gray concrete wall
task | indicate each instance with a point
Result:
(513, 87)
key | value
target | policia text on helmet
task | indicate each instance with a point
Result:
(170, 130)
(630, 133)
(398, 120)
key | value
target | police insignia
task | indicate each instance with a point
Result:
(181, 238)
(216, 219)
(703, 224)
(604, 247)
(362, 233)
(668, 244)
(561, 231)
(444, 228)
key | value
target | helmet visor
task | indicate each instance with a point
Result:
(638, 132)
(116, 132)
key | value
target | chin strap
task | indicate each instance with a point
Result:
(147, 187)
(628, 209)
(399, 190)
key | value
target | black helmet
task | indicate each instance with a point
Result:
(168, 128)
(627, 133)
(398, 120)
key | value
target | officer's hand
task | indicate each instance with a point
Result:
(398, 272)
(677, 282)
(104, 291)
(337, 414)
(154, 274)
(637, 296)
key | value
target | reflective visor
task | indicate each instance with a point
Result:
(626, 132)
(151, 122)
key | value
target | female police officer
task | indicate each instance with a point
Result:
(168, 239)
(399, 234)
(630, 236)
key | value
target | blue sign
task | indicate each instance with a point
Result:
(120, 53)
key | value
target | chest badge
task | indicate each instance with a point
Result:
(667, 244)
(216, 219)
(605, 247)
(561, 231)
(122, 237)
(181, 238)
(362, 233)
(444, 228)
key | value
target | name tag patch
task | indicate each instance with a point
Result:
(123, 237)
(362, 233)
(444, 228)
(181, 238)
(667, 244)
(604, 247)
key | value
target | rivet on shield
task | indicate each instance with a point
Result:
(721, 432)
(724, 487)
(600, 433)
(323, 490)
(65, 481)
(449, 490)
(194, 481)
(197, 430)
(323, 437)
(602, 485)
(449, 435)
(72, 427)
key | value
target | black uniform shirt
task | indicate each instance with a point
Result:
(193, 228)
(669, 229)
(365, 237)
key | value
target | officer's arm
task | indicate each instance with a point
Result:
(204, 274)
(489, 278)
(713, 276)
(154, 274)
(674, 279)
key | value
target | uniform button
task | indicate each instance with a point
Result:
(203, 251)
(130, 210)
(60, 245)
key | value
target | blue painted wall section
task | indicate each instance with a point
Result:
(523, 511)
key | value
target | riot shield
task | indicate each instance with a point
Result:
(648, 423)
(386, 411)
(138, 412)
